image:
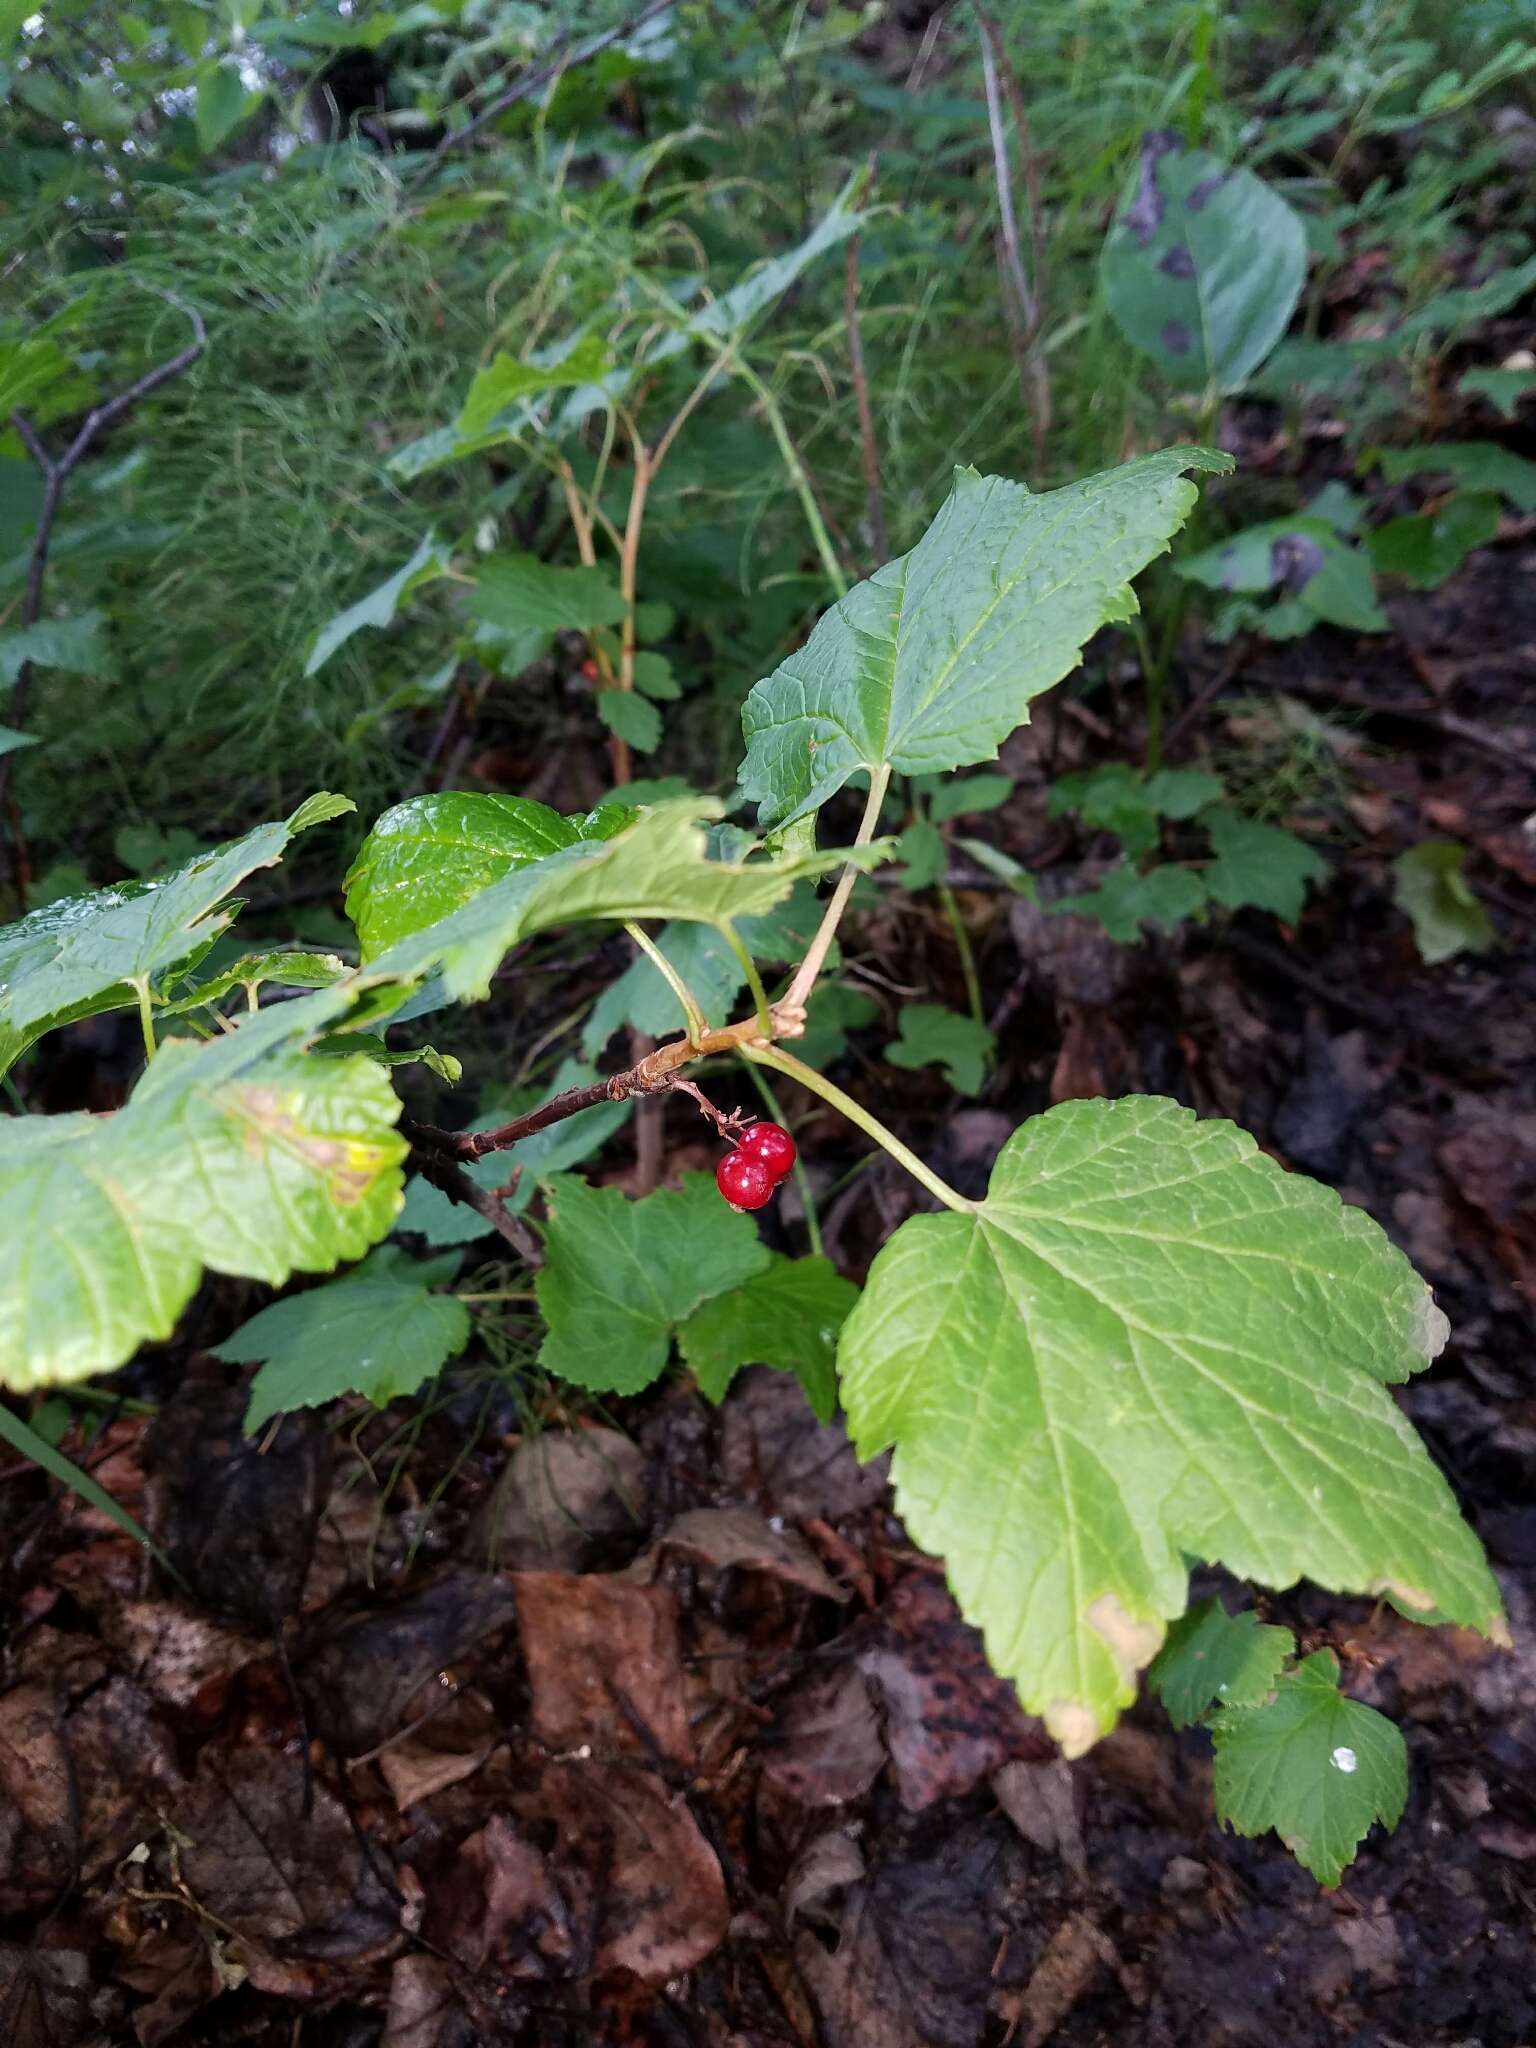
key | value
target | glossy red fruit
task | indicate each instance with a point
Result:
(745, 1181)
(772, 1144)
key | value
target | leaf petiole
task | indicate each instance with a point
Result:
(697, 1022)
(146, 1019)
(799, 992)
(748, 966)
(797, 1070)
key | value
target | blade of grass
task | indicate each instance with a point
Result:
(22, 1437)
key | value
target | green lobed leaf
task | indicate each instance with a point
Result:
(619, 1276)
(1425, 548)
(932, 1036)
(1303, 556)
(380, 605)
(427, 856)
(922, 848)
(151, 849)
(521, 594)
(654, 678)
(1203, 266)
(1429, 884)
(1214, 1659)
(72, 644)
(788, 1317)
(1506, 390)
(1259, 867)
(631, 718)
(505, 383)
(1276, 553)
(245, 1154)
(1120, 799)
(962, 796)
(378, 1331)
(1476, 466)
(82, 954)
(655, 868)
(1150, 1342)
(935, 660)
(1125, 900)
(1316, 1767)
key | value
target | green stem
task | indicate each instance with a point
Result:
(799, 991)
(146, 1019)
(748, 966)
(1152, 683)
(802, 1179)
(797, 1070)
(697, 1022)
(798, 477)
(966, 951)
(103, 1397)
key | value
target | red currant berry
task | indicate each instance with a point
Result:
(772, 1144)
(745, 1182)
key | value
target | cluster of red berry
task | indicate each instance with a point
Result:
(748, 1175)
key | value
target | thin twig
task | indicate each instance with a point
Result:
(534, 81)
(874, 506)
(57, 473)
(1034, 374)
(435, 1165)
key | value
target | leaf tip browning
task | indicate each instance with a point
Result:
(1431, 1327)
(1073, 1727)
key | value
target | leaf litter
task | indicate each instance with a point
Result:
(662, 1731)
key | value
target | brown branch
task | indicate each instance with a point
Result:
(652, 1075)
(56, 474)
(532, 81)
(874, 507)
(1034, 373)
(451, 1179)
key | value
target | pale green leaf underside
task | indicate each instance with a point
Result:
(934, 661)
(1214, 1659)
(787, 1316)
(378, 1331)
(379, 606)
(80, 955)
(655, 869)
(427, 856)
(243, 1154)
(1150, 1342)
(619, 1276)
(1316, 1767)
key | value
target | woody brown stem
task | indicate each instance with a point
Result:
(652, 1075)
